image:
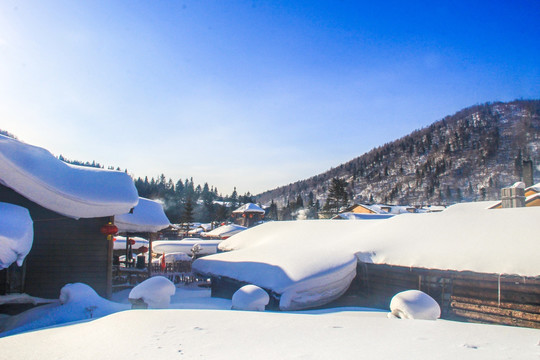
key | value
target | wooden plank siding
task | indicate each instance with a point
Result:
(466, 296)
(64, 251)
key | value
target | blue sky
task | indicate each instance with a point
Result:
(252, 94)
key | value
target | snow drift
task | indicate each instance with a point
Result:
(77, 302)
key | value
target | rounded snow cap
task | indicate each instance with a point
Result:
(250, 297)
(155, 291)
(414, 304)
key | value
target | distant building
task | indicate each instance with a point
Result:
(248, 215)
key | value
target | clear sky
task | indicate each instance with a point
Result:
(252, 94)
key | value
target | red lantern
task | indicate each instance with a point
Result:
(250, 216)
(109, 229)
(131, 242)
(143, 249)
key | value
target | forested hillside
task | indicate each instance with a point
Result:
(468, 156)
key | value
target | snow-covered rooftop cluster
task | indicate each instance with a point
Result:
(147, 216)
(74, 191)
(312, 262)
(16, 234)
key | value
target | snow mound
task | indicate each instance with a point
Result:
(70, 190)
(250, 297)
(156, 292)
(78, 302)
(16, 234)
(77, 292)
(414, 304)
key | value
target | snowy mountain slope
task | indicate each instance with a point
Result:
(464, 157)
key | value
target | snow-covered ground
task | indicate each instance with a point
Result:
(198, 326)
(225, 334)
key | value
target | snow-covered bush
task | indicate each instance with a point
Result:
(414, 304)
(250, 297)
(155, 291)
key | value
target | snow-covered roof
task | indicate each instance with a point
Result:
(249, 207)
(16, 234)
(147, 216)
(172, 246)
(309, 261)
(360, 216)
(535, 188)
(74, 191)
(120, 242)
(225, 231)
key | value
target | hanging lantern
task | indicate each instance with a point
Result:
(109, 229)
(143, 249)
(251, 216)
(131, 242)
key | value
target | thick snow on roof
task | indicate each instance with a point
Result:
(358, 216)
(147, 216)
(169, 246)
(249, 207)
(294, 257)
(74, 191)
(120, 242)
(16, 234)
(226, 231)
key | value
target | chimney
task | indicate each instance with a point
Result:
(513, 196)
(528, 173)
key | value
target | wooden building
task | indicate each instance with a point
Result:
(248, 215)
(462, 295)
(68, 205)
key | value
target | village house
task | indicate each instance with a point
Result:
(248, 215)
(479, 264)
(72, 209)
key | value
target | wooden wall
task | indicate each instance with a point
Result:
(466, 296)
(64, 251)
